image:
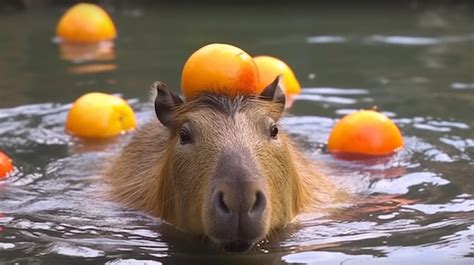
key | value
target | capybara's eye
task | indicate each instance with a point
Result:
(184, 136)
(274, 131)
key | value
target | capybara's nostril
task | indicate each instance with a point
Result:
(258, 205)
(220, 204)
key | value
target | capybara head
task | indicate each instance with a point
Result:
(228, 172)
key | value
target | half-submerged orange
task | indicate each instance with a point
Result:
(99, 115)
(365, 132)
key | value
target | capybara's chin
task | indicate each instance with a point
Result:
(239, 240)
(237, 246)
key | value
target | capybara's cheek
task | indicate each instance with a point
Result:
(190, 185)
(285, 192)
(280, 212)
(188, 216)
(280, 192)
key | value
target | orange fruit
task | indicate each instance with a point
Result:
(99, 115)
(6, 166)
(220, 68)
(86, 23)
(270, 67)
(365, 132)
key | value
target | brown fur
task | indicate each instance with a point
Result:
(151, 174)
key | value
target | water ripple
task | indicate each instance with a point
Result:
(319, 98)
(401, 40)
(417, 41)
(132, 262)
(326, 39)
(71, 250)
(457, 205)
(458, 142)
(402, 184)
(57, 203)
(462, 86)
(334, 91)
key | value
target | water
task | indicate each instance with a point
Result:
(415, 62)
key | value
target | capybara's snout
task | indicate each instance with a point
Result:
(237, 214)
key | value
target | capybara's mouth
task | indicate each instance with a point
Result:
(237, 246)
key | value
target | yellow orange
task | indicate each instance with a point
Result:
(6, 166)
(365, 132)
(99, 115)
(220, 68)
(270, 67)
(86, 23)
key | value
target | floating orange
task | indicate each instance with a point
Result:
(270, 67)
(220, 68)
(86, 23)
(99, 115)
(365, 132)
(6, 166)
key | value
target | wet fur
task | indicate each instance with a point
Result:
(140, 178)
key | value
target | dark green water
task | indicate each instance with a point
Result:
(415, 62)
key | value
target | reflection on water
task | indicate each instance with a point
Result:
(92, 68)
(85, 57)
(414, 207)
(78, 53)
(462, 86)
(395, 40)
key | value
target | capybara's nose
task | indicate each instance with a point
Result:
(238, 209)
(246, 201)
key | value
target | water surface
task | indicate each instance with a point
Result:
(414, 62)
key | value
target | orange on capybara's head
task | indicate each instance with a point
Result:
(220, 68)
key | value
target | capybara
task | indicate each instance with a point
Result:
(219, 166)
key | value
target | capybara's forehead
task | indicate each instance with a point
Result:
(218, 105)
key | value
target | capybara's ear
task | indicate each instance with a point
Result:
(274, 93)
(165, 103)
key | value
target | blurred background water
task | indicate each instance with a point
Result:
(413, 60)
